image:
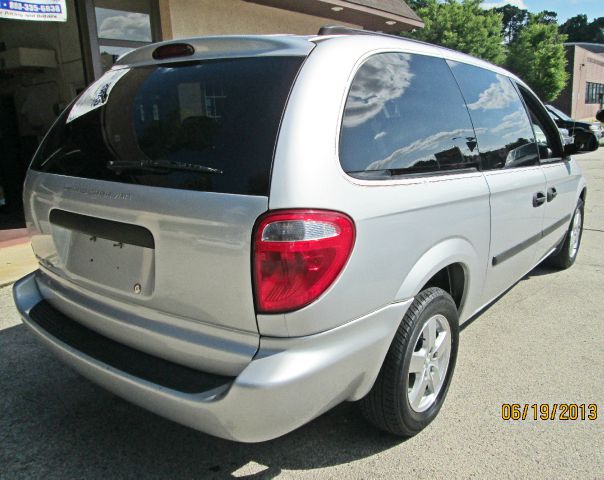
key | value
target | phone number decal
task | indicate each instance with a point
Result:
(33, 7)
(41, 10)
(549, 411)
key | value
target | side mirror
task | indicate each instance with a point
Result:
(544, 151)
(570, 149)
(584, 142)
(600, 116)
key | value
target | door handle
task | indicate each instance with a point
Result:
(551, 193)
(538, 199)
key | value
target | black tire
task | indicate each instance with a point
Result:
(593, 144)
(563, 258)
(387, 404)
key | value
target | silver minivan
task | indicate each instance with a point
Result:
(241, 232)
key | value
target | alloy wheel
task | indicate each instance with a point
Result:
(429, 363)
(575, 234)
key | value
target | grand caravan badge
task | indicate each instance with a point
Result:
(97, 94)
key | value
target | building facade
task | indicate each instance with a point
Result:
(583, 96)
(45, 64)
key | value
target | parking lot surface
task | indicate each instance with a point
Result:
(542, 342)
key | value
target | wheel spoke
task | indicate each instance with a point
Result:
(430, 334)
(434, 378)
(575, 233)
(441, 344)
(416, 395)
(418, 361)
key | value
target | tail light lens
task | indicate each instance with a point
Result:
(297, 256)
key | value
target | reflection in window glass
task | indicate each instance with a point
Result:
(404, 114)
(121, 25)
(594, 92)
(110, 55)
(222, 114)
(503, 130)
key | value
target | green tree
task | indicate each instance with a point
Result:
(462, 26)
(513, 18)
(547, 16)
(579, 29)
(537, 56)
(417, 4)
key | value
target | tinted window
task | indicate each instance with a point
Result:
(559, 113)
(547, 134)
(503, 130)
(221, 114)
(405, 114)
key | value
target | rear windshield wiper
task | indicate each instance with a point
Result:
(157, 166)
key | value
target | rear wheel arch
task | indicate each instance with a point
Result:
(451, 279)
(452, 265)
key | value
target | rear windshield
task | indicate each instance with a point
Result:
(209, 126)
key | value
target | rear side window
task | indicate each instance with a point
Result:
(209, 126)
(503, 129)
(405, 115)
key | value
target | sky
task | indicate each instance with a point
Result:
(564, 8)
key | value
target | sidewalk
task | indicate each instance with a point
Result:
(16, 256)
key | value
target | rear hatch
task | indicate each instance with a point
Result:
(145, 191)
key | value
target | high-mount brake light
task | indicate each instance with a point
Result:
(173, 50)
(297, 255)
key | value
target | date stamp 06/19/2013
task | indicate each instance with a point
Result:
(549, 411)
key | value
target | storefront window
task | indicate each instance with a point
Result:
(594, 93)
(121, 31)
(121, 25)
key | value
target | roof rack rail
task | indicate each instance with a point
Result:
(342, 30)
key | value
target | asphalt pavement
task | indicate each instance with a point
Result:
(541, 343)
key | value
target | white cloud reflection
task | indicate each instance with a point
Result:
(511, 123)
(498, 95)
(121, 25)
(423, 149)
(381, 79)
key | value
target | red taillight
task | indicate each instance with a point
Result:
(297, 256)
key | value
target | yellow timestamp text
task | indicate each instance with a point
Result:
(549, 411)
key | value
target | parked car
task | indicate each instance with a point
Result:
(239, 233)
(565, 136)
(587, 135)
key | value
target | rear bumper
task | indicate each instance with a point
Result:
(289, 382)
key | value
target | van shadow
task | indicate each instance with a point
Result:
(539, 271)
(58, 424)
